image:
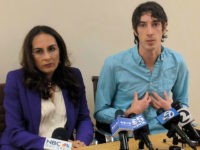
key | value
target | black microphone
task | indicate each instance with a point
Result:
(60, 134)
(185, 122)
(123, 135)
(58, 140)
(170, 119)
(141, 130)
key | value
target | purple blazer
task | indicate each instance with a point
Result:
(23, 113)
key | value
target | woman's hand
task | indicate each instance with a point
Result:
(77, 144)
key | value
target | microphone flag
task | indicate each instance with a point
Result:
(127, 124)
(185, 116)
(163, 118)
(55, 144)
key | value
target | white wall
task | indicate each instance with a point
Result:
(95, 29)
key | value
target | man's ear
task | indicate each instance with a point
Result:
(135, 33)
(165, 28)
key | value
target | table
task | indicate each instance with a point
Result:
(157, 141)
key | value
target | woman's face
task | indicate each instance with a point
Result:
(45, 53)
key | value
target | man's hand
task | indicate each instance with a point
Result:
(158, 102)
(138, 106)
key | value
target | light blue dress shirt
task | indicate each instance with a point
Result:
(125, 73)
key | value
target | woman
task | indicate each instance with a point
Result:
(45, 94)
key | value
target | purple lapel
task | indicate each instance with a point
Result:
(34, 101)
(70, 111)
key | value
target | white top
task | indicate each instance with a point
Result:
(53, 114)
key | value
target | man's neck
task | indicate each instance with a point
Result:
(149, 57)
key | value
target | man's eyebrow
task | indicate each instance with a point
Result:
(142, 21)
(156, 20)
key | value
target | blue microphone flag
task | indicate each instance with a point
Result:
(127, 124)
(167, 115)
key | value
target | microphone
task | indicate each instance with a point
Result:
(60, 134)
(58, 140)
(120, 127)
(141, 130)
(185, 122)
(170, 119)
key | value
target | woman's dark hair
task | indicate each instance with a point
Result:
(63, 76)
(156, 11)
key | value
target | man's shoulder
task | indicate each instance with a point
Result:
(120, 56)
(173, 53)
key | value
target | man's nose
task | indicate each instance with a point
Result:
(149, 29)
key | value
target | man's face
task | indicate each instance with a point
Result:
(149, 32)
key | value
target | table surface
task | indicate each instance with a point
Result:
(157, 141)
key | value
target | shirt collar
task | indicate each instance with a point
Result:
(138, 59)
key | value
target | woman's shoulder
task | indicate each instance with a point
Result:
(15, 73)
(14, 78)
(76, 73)
(74, 70)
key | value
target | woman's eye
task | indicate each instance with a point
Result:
(38, 51)
(51, 49)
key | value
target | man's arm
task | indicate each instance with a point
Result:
(106, 88)
(180, 88)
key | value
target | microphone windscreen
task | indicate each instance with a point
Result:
(131, 115)
(119, 113)
(177, 105)
(159, 111)
(60, 133)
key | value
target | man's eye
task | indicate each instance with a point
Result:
(155, 24)
(142, 25)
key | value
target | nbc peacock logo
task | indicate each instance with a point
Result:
(65, 146)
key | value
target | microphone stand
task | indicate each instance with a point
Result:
(141, 145)
(123, 137)
(176, 140)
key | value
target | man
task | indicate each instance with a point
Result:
(141, 79)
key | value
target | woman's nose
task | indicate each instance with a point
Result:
(46, 55)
